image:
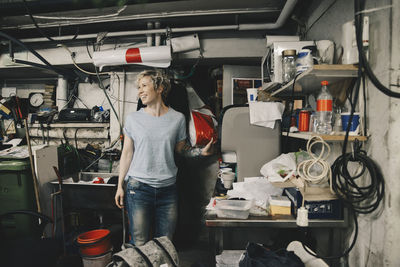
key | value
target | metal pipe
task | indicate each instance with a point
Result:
(152, 16)
(157, 42)
(285, 13)
(149, 35)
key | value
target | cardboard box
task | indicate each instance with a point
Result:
(328, 207)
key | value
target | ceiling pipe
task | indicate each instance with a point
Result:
(152, 16)
(285, 13)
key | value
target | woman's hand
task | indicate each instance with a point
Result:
(208, 149)
(119, 197)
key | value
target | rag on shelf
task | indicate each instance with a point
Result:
(265, 113)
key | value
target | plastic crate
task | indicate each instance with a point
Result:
(233, 209)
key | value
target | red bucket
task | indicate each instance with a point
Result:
(94, 243)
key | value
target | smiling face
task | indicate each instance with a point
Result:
(159, 83)
(146, 91)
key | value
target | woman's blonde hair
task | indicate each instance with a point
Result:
(158, 79)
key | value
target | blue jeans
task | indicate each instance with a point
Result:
(150, 208)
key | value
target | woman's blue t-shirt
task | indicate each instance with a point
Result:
(154, 140)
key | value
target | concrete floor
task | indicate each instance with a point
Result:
(195, 252)
(194, 256)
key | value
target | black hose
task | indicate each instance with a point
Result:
(33, 64)
(346, 252)
(40, 30)
(291, 113)
(363, 199)
(36, 54)
(358, 22)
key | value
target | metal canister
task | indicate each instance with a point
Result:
(304, 120)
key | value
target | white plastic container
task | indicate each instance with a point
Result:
(233, 209)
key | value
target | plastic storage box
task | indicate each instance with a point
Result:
(233, 209)
(279, 205)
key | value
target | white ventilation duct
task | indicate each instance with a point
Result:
(154, 56)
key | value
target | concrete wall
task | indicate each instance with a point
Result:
(122, 93)
(378, 241)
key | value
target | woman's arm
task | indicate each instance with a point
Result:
(124, 163)
(186, 150)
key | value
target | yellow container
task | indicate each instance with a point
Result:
(279, 205)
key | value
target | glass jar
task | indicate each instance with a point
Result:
(288, 65)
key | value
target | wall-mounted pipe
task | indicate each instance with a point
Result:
(149, 35)
(61, 92)
(157, 25)
(285, 13)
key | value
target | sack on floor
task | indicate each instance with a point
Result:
(258, 256)
(154, 253)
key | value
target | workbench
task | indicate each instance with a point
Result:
(216, 227)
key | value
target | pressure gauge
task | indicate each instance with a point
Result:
(36, 99)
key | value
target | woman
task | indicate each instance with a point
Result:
(152, 135)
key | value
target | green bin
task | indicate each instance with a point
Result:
(17, 193)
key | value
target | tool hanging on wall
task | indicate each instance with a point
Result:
(35, 183)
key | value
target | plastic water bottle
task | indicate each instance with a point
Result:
(324, 110)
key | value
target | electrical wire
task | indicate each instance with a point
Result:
(291, 110)
(192, 69)
(79, 68)
(40, 30)
(346, 252)
(108, 99)
(87, 49)
(77, 98)
(305, 168)
(365, 106)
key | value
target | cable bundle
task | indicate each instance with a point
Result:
(361, 196)
(304, 168)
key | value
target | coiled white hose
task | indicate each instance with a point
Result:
(304, 168)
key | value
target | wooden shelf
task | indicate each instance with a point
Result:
(332, 138)
(310, 80)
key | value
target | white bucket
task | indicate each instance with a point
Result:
(98, 261)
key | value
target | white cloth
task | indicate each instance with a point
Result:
(265, 113)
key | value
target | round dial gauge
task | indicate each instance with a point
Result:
(36, 99)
